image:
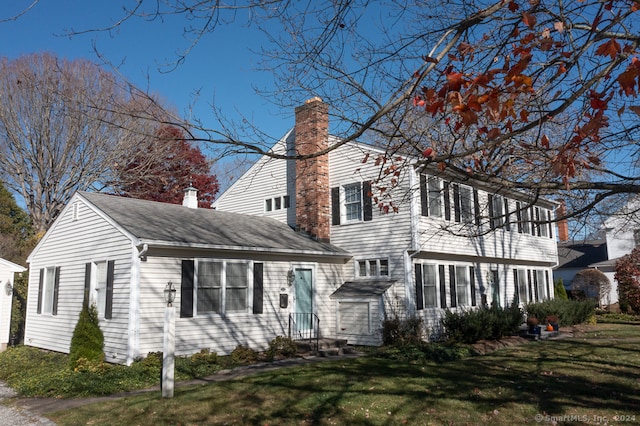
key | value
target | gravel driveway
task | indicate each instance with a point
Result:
(10, 415)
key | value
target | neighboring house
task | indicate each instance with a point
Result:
(577, 256)
(622, 235)
(445, 243)
(238, 276)
(7, 274)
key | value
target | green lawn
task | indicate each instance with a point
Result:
(593, 377)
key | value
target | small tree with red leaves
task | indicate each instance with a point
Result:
(628, 277)
(164, 167)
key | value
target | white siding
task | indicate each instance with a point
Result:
(223, 333)
(70, 244)
(7, 272)
(265, 180)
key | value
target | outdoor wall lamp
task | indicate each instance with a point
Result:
(169, 293)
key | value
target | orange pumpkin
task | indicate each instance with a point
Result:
(549, 327)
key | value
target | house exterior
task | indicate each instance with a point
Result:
(622, 235)
(316, 247)
(575, 256)
(7, 274)
(421, 241)
(238, 276)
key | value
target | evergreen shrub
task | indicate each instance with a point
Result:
(87, 341)
(569, 312)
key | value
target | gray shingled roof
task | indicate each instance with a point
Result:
(581, 254)
(165, 224)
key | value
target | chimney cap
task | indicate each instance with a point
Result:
(314, 99)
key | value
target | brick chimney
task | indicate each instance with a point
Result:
(563, 225)
(313, 212)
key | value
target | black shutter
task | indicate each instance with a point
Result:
(456, 202)
(516, 290)
(476, 207)
(424, 195)
(529, 285)
(56, 285)
(335, 205)
(108, 305)
(452, 286)
(367, 201)
(535, 286)
(472, 281)
(507, 215)
(40, 284)
(519, 216)
(258, 287)
(443, 287)
(447, 201)
(186, 289)
(549, 224)
(87, 283)
(492, 222)
(419, 295)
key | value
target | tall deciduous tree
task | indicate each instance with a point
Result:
(16, 234)
(63, 126)
(176, 165)
(532, 95)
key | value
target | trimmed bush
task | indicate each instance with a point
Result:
(396, 331)
(569, 312)
(87, 341)
(482, 324)
(282, 347)
(244, 355)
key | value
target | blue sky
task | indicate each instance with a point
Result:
(221, 67)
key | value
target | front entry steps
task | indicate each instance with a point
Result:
(326, 347)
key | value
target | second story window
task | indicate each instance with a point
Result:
(353, 201)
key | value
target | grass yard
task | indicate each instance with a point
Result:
(594, 378)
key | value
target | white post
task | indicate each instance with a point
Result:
(168, 351)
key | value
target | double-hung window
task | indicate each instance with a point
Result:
(430, 283)
(496, 211)
(466, 204)
(49, 282)
(520, 276)
(353, 201)
(99, 287)
(434, 196)
(462, 286)
(222, 286)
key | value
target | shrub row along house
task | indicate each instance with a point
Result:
(291, 247)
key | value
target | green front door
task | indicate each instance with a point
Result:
(303, 281)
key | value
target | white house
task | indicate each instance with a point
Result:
(7, 274)
(445, 242)
(622, 235)
(298, 248)
(239, 277)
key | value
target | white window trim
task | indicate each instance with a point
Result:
(472, 214)
(343, 204)
(368, 261)
(223, 287)
(436, 266)
(93, 290)
(465, 268)
(48, 287)
(440, 184)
